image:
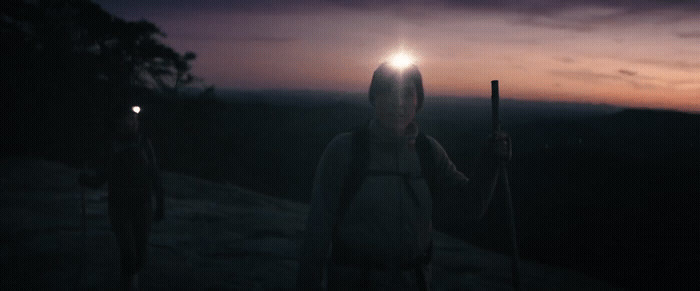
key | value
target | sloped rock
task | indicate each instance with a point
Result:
(213, 236)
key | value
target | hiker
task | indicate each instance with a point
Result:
(133, 177)
(372, 205)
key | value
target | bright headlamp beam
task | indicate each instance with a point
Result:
(136, 109)
(401, 60)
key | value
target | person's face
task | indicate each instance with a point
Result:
(395, 110)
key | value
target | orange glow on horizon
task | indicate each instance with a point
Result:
(569, 56)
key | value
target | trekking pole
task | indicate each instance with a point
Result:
(502, 173)
(83, 230)
(83, 220)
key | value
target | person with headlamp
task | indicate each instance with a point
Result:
(370, 222)
(133, 178)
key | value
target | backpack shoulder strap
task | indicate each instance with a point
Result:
(357, 168)
(424, 149)
(359, 160)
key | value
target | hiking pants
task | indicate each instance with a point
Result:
(348, 277)
(130, 216)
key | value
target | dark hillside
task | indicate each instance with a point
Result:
(611, 193)
(615, 196)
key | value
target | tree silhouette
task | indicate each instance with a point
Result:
(66, 64)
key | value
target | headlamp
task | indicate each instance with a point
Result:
(401, 60)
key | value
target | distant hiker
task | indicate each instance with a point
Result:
(133, 177)
(372, 204)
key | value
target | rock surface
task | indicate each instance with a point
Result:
(213, 236)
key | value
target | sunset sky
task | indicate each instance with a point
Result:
(640, 53)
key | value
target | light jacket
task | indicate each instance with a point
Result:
(388, 222)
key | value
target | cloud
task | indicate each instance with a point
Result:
(522, 6)
(565, 59)
(676, 65)
(586, 16)
(584, 75)
(262, 38)
(233, 37)
(627, 72)
(686, 84)
(556, 24)
(548, 7)
(266, 39)
(576, 16)
(593, 77)
(690, 34)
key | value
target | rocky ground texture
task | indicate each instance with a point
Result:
(213, 236)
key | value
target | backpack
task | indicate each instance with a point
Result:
(357, 171)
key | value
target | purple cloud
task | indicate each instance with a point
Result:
(627, 72)
(690, 34)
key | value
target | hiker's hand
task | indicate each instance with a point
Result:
(158, 216)
(500, 146)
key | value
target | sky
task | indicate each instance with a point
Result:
(634, 53)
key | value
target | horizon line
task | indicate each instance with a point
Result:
(472, 97)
